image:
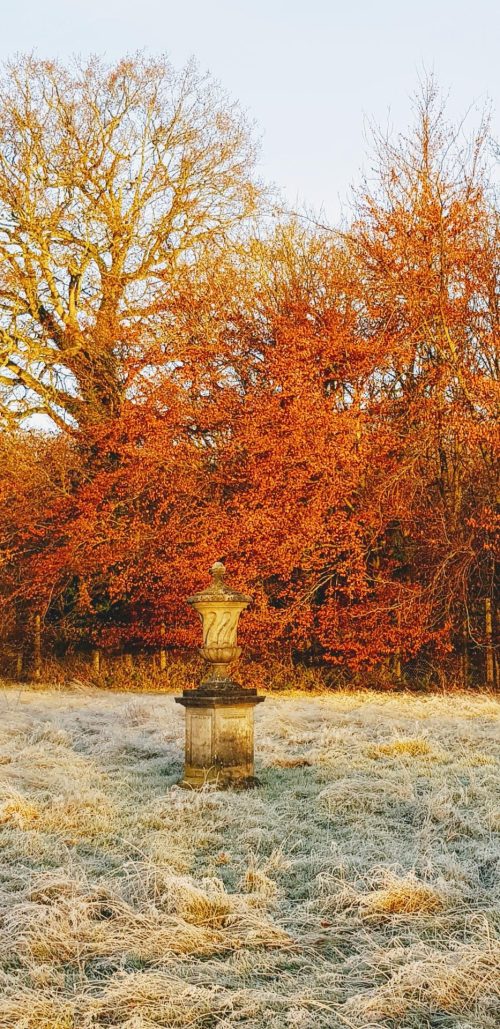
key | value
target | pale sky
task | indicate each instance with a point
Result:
(310, 73)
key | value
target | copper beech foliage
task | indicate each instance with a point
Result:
(316, 407)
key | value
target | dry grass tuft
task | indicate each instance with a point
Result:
(405, 895)
(206, 904)
(450, 982)
(292, 762)
(494, 820)
(257, 883)
(30, 1009)
(411, 747)
(19, 811)
(368, 794)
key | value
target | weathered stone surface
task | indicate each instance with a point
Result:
(219, 737)
(219, 608)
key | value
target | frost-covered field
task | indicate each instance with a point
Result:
(358, 887)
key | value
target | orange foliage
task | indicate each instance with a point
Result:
(322, 419)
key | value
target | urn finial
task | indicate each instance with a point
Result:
(218, 572)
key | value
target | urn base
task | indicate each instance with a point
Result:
(219, 745)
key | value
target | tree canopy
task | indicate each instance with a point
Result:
(113, 181)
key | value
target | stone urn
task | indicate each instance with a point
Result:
(219, 712)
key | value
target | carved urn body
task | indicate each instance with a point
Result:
(219, 608)
(219, 712)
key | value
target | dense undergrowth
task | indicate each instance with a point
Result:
(142, 673)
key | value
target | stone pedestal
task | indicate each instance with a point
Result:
(219, 736)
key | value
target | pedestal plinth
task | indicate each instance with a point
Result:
(219, 736)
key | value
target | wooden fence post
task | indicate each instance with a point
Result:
(163, 653)
(96, 661)
(37, 647)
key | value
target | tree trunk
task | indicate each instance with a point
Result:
(490, 655)
(464, 657)
(496, 622)
(96, 661)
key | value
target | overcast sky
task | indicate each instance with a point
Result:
(310, 73)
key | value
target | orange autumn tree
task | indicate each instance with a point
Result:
(120, 547)
(299, 476)
(426, 243)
